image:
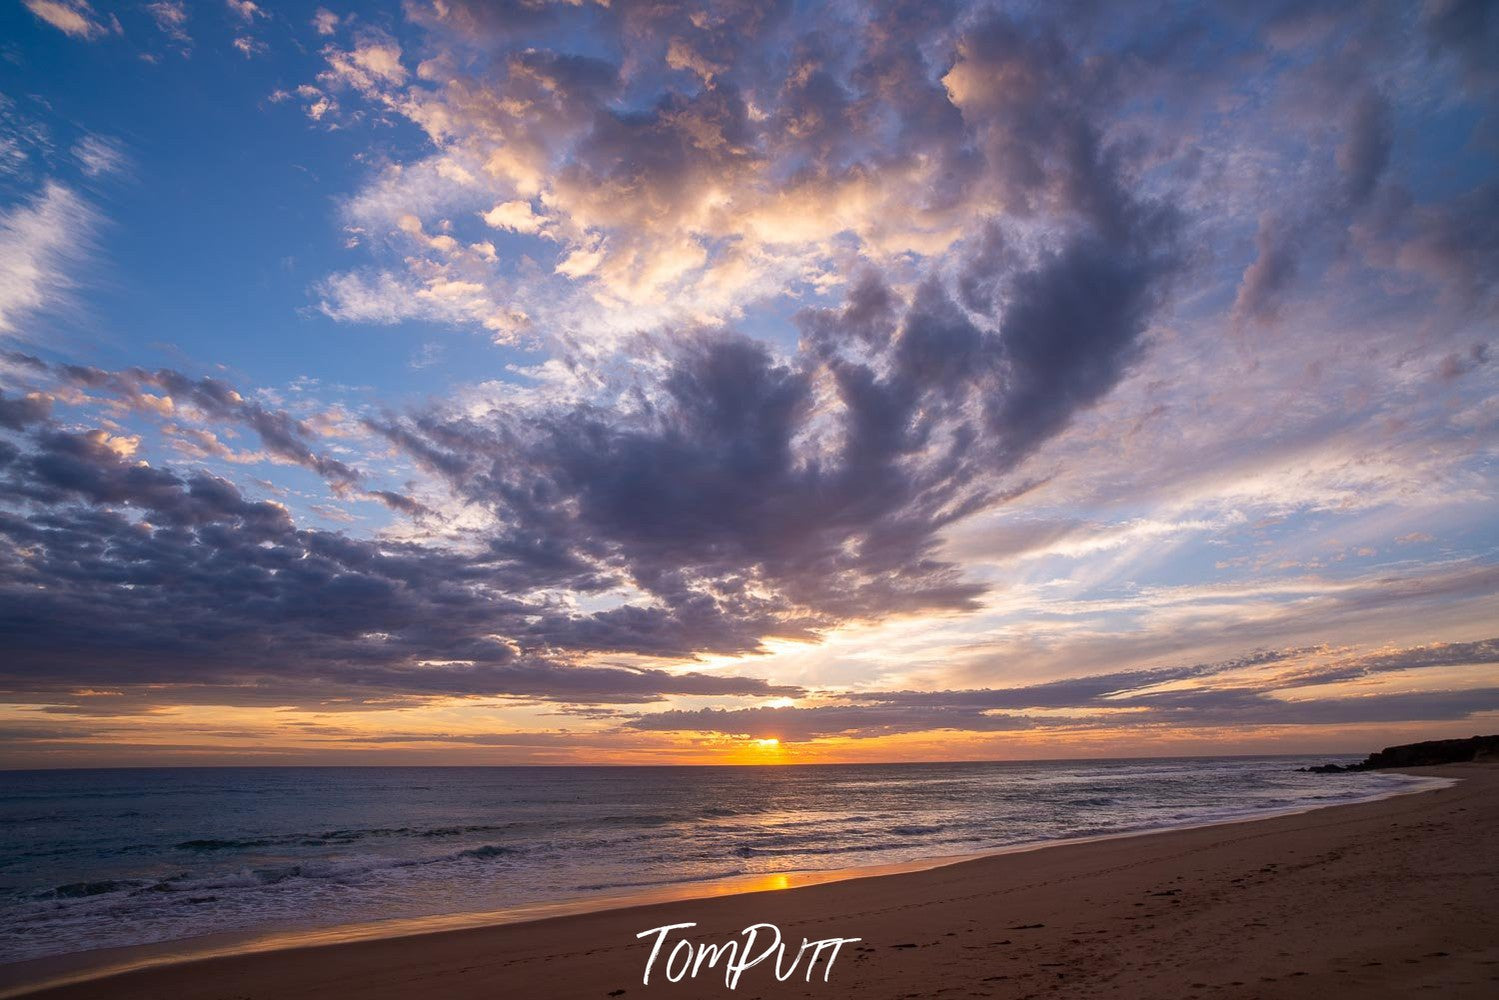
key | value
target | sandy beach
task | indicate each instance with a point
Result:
(1384, 899)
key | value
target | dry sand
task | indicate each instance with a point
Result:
(1396, 898)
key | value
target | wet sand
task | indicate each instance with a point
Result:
(1395, 898)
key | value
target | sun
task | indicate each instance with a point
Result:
(768, 744)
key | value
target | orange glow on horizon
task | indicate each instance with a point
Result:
(467, 734)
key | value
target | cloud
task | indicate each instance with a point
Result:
(1187, 697)
(1444, 243)
(795, 492)
(1467, 28)
(42, 241)
(171, 17)
(245, 10)
(847, 320)
(801, 724)
(1365, 153)
(1362, 160)
(694, 193)
(1273, 272)
(100, 156)
(16, 414)
(516, 216)
(248, 47)
(693, 167)
(256, 601)
(72, 17)
(440, 296)
(737, 498)
(281, 434)
(324, 21)
(371, 67)
(731, 477)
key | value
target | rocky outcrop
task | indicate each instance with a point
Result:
(1420, 755)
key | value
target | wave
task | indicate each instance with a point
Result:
(491, 851)
(89, 874)
(81, 890)
(350, 836)
(711, 876)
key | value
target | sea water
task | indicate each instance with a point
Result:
(106, 858)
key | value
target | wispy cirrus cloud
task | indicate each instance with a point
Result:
(171, 18)
(1243, 692)
(43, 240)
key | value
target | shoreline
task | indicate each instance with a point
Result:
(83, 970)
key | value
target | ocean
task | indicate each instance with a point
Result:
(107, 858)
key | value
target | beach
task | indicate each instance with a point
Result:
(1391, 898)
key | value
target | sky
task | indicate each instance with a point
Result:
(519, 382)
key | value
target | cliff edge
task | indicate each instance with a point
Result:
(1420, 755)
